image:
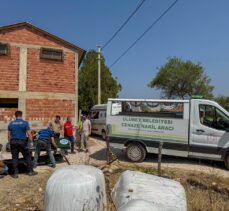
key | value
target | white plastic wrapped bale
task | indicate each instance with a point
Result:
(136, 204)
(76, 188)
(164, 194)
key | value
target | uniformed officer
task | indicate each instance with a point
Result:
(18, 132)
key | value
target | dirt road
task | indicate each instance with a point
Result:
(27, 193)
(98, 155)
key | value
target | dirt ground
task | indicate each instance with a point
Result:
(206, 183)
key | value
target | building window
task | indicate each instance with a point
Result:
(4, 49)
(53, 54)
(8, 103)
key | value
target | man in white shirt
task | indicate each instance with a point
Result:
(85, 133)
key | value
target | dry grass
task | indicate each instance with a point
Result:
(204, 191)
(25, 193)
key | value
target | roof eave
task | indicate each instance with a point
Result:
(81, 51)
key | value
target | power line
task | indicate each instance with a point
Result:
(144, 33)
(121, 27)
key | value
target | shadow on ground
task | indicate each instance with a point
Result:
(153, 158)
(22, 168)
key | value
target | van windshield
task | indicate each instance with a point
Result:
(222, 120)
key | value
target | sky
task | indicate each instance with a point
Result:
(192, 30)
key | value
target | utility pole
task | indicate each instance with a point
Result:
(99, 74)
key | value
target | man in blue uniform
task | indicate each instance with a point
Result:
(18, 132)
(45, 139)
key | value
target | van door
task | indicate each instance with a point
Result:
(208, 127)
(98, 122)
(95, 122)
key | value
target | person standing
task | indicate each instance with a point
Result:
(68, 133)
(18, 131)
(78, 132)
(45, 139)
(85, 133)
(57, 126)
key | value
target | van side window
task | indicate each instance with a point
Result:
(207, 115)
(212, 117)
(94, 115)
(152, 109)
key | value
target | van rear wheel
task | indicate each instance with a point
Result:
(226, 161)
(135, 152)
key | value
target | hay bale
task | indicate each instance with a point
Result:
(164, 194)
(77, 187)
(138, 204)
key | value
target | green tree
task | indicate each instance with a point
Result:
(223, 101)
(182, 79)
(88, 82)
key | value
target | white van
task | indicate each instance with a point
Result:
(188, 128)
(98, 120)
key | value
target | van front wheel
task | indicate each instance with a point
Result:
(135, 152)
(226, 161)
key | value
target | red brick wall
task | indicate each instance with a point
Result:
(26, 35)
(42, 75)
(9, 70)
(46, 110)
(45, 75)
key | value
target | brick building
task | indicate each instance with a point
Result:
(38, 74)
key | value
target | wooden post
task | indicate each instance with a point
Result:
(108, 150)
(64, 157)
(159, 157)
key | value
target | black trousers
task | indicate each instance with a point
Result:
(17, 146)
(56, 135)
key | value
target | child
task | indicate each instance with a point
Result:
(3, 167)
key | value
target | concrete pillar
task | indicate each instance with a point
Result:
(76, 87)
(22, 80)
(23, 69)
(22, 104)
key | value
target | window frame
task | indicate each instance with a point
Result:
(97, 114)
(7, 49)
(148, 114)
(42, 56)
(9, 102)
(215, 116)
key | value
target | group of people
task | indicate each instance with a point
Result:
(82, 131)
(21, 138)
